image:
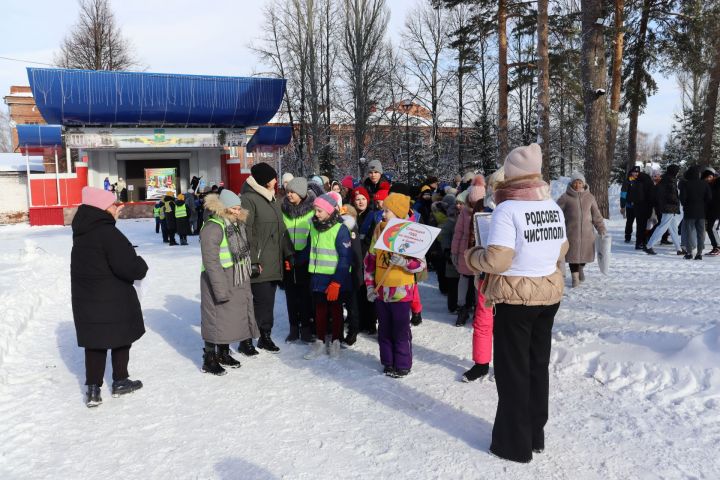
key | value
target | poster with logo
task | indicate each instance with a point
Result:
(159, 182)
(407, 238)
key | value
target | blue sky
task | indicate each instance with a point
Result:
(209, 37)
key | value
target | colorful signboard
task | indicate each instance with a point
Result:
(159, 182)
(155, 137)
(407, 238)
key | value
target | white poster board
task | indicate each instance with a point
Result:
(407, 238)
(481, 222)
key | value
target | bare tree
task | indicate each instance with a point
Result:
(365, 22)
(597, 169)
(426, 41)
(95, 41)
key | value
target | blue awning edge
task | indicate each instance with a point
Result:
(277, 136)
(93, 97)
(39, 135)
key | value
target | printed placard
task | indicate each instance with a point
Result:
(481, 221)
(407, 238)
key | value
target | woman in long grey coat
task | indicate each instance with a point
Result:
(226, 304)
(581, 215)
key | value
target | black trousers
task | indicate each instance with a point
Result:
(350, 301)
(709, 223)
(575, 267)
(367, 320)
(298, 296)
(641, 218)
(95, 364)
(629, 220)
(264, 301)
(521, 341)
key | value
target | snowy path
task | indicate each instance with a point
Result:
(635, 384)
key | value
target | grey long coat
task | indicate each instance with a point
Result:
(227, 313)
(581, 214)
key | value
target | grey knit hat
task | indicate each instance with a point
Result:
(229, 199)
(577, 176)
(375, 166)
(298, 185)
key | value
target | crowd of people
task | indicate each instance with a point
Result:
(652, 205)
(315, 238)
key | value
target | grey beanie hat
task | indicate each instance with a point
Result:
(298, 185)
(229, 199)
(375, 166)
(577, 176)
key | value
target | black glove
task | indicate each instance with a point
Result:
(255, 270)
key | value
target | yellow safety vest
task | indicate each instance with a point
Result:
(180, 211)
(158, 212)
(225, 255)
(299, 229)
(323, 254)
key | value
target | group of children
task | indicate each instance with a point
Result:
(335, 259)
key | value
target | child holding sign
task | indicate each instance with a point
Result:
(390, 280)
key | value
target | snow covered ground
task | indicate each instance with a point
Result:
(635, 384)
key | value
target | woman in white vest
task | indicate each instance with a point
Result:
(226, 303)
(524, 281)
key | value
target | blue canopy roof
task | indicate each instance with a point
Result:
(269, 136)
(92, 97)
(39, 135)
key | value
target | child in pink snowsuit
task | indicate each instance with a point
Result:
(482, 337)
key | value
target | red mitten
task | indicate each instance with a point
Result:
(333, 291)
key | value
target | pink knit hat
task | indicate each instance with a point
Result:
(326, 202)
(523, 161)
(337, 197)
(97, 197)
(477, 189)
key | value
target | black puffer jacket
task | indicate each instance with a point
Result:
(695, 194)
(666, 193)
(103, 267)
(639, 194)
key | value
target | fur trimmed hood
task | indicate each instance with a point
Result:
(295, 211)
(213, 203)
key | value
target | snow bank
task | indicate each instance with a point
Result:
(30, 273)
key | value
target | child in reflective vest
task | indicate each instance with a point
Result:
(330, 257)
(394, 295)
(297, 210)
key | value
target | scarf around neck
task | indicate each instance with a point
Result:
(526, 188)
(327, 224)
(239, 249)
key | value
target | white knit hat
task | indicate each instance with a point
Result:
(524, 161)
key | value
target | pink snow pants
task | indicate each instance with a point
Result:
(482, 329)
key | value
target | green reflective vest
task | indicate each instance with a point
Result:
(323, 254)
(225, 255)
(299, 229)
(159, 212)
(180, 211)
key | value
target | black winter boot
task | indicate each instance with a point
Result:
(224, 358)
(294, 334)
(416, 318)
(266, 343)
(307, 333)
(211, 364)
(247, 348)
(350, 338)
(463, 315)
(478, 370)
(93, 398)
(122, 387)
